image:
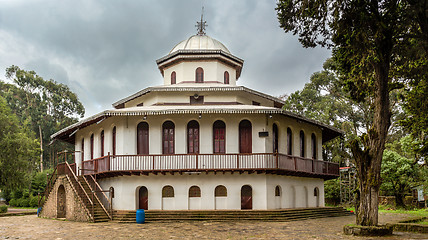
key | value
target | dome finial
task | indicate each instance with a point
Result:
(202, 24)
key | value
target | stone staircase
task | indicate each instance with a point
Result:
(98, 212)
(282, 215)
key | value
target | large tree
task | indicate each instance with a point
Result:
(47, 105)
(374, 43)
(19, 150)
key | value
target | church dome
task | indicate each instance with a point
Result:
(200, 42)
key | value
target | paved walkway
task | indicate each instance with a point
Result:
(31, 227)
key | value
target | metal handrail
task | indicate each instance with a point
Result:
(105, 196)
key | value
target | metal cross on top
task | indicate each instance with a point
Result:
(202, 24)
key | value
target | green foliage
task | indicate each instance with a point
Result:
(44, 104)
(19, 150)
(39, 181)
(34, 202)
(13, 202)
(332, 190)
(3, 209)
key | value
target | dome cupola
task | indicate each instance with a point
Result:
(200, 59)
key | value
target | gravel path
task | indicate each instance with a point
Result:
(31, 227)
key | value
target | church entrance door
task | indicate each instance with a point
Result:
(143, 198)
(246, 197)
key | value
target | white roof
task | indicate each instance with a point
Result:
(200, 42)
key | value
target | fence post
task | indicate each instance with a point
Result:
(108, 161)
(277, 160)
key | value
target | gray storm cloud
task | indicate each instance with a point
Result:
(106, 50)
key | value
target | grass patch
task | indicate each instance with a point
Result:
(389, 209)
(424, 223)
(35, 208)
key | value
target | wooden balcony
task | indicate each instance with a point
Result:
(119, 165)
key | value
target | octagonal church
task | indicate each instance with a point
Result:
(199, 141)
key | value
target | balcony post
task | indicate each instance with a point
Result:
(153, 160)
(237, 161)
(277, 160)
(108, 161)
(197, 164)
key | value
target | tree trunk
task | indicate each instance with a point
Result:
(41, 149)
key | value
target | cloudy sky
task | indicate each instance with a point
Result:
(106, 50)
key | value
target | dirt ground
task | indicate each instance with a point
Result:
(32, 227)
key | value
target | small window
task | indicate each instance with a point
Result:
(277, 191)
(196, 100)
(256, 103)
(316, 192)
(199, 75)
(194, 191)
(275, 138)
(167, 191)
(83, 149)
(220, 191)
(226, 77)
(173, 77)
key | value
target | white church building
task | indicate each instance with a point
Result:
(200, 141)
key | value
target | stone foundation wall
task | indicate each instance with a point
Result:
(75, 211)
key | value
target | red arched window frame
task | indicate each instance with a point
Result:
(142, 138)
(193, 137)
(226, 77)
(219, 134)
(173, 78)
(199, 75)
(245, 137)
(168, 129)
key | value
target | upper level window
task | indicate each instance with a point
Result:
(142, 138)
(193, 137)
(114, 140)
(226, 77)
(168, 129)
(199, 75)
(314, 146)
(289, 142)
(92, 146)
(173, 77)
(219, 134)
(245, 137)
(275, 138)
(102, 143)
(302, 144)
(83, 149)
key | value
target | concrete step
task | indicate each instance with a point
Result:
(246, 215)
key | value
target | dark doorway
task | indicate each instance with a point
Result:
(61, 202)
(275, 138)
(168, 128)
(245, 137)
(143, 198)
(246, 197)
(143, 138)
(193, 137)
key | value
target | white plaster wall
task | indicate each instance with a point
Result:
(213, 71)
(126, 191)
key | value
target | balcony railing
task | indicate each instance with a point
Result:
(211, 162)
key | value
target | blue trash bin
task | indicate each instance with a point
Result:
(38, 211)
(141, 216)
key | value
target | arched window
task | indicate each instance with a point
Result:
(275, 138)
(142, 138)
(219, 135)
(245, 136)
(83, 149)
(314, 146)
(302, 144)
(102, 143)
(92, 146)
(167, 191)
(199, 75)
(226, 77)
(289, 142)
(114, 140)
(277, 191)
(194, 191)
(173, 77)
(316, 192)
(193, 137)
(220, 191)
(168, 129)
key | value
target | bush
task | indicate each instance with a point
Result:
(17, 194)
(3, 209)
(24, 202)
(13, 202)
(34, 202)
